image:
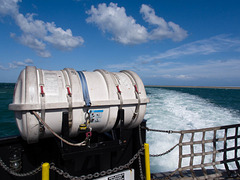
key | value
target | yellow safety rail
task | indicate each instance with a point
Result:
(147, 161)
(45, 171)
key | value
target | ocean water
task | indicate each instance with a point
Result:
(182, 109)
(7, 121)
(169, 109)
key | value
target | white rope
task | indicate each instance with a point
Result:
(83, 143)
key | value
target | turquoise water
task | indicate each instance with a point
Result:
(7, 122)
(227, 98)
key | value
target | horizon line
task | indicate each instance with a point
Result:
(210, 87)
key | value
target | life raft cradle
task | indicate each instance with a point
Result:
(46, 167)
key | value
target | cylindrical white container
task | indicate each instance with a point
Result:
(93, 97)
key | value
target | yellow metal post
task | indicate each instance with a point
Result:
(45, 171)
(147, 161)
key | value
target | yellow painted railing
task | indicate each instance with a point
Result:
(147, 161)
(45, 171)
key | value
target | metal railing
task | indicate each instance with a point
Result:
(216, 148)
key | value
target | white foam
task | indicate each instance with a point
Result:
(172, 110)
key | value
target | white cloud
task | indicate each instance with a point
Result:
(3, 68)
(210, 69)
(164, 29)
(170, 76)
(182, 76)
(16, 64)
(9, 7)
(124, 29)
(214, 44)
(29, 25)
(61, 39)
(167, 66)
(121, 66)
(28, 61)
(37, 34)
(114, 20)
(37, 44)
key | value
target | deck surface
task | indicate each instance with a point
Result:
(198, 173)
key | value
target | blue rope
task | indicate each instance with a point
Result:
(84, 88)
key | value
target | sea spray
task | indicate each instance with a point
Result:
(174, 110)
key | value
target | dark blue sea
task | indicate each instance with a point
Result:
(169, 109)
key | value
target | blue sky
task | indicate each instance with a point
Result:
(166, 42)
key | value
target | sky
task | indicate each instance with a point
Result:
(174, 42)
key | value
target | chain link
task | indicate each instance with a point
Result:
(10, 171)
(140, 167)
(97, 174)
(168, 151)
(162, 131)
(83, 177)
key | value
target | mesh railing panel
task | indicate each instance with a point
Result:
(210, 148)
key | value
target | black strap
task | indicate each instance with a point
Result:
(120, 117)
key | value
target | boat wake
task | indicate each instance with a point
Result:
(173, 110)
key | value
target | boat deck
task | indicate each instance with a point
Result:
(198, 175)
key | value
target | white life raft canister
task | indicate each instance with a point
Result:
(95, 96)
